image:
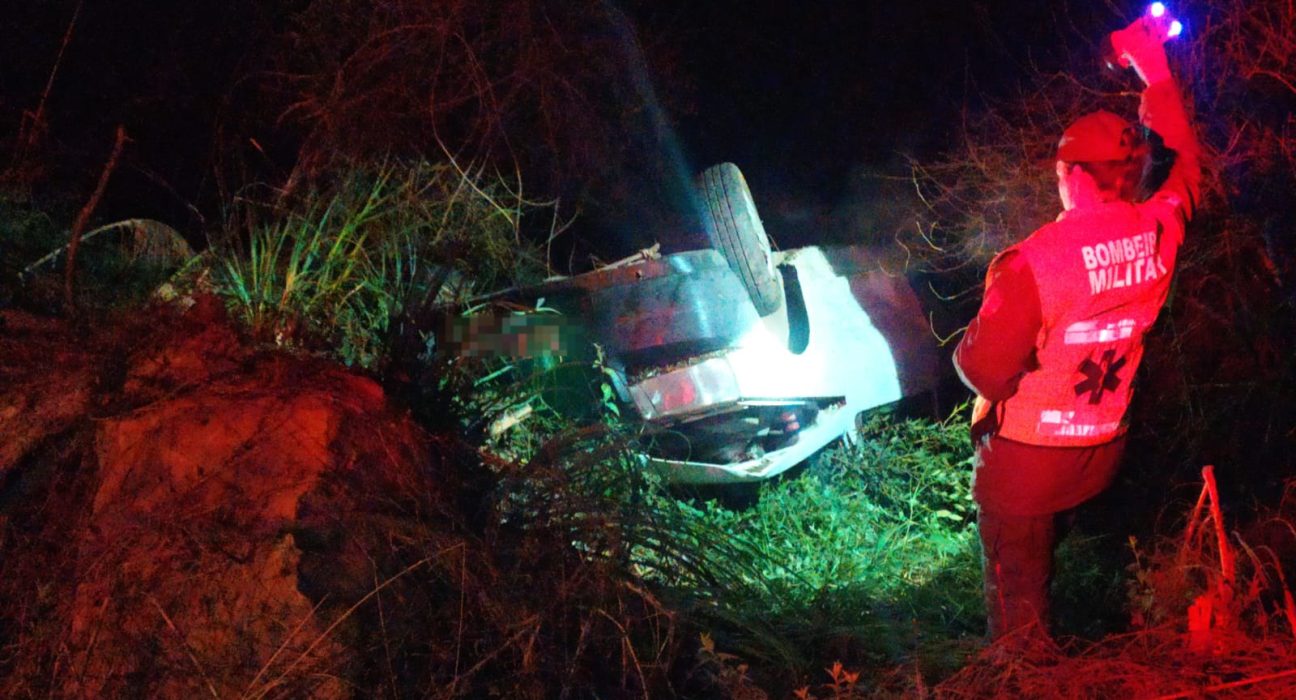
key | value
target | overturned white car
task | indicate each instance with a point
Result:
(741, 361)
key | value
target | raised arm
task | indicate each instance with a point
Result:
(1162, 110)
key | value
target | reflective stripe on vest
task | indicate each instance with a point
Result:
(1103, 274)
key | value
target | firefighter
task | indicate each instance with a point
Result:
(1053, 350)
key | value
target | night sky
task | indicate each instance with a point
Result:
(811, 98)
(808, 98)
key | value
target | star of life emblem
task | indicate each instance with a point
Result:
(1100, 377)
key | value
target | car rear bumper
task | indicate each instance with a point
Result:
(831, 423)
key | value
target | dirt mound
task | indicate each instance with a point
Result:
(37, 402)
(188, 474)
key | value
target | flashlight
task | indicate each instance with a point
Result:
(1157, 10)
(1156, 21)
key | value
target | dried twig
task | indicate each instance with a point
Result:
(30, 137)
(69, 300)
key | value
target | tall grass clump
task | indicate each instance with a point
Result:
(332, 269)
(870, 555)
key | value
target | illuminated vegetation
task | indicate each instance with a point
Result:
(337, 268)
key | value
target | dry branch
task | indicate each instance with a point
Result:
(69, 299)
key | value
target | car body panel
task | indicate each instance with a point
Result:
(846, 354)
(696, 363)
(846, 365)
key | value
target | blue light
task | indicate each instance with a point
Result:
(1157, 9)
(1176, 28)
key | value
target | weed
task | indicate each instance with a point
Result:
(333, 270)
(841, 684)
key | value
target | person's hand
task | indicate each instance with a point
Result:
(1141, 45)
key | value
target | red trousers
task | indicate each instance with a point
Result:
(1017, 566)
(1025, 497)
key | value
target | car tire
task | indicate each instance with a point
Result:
(729, 215)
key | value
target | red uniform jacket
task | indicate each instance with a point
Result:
(1053, 350)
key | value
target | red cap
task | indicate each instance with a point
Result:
(1097, 136)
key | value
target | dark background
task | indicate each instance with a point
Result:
(819, 103)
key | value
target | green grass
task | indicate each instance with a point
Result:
(333, 270)
(869, 556)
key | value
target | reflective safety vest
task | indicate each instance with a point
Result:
(1103, 273)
